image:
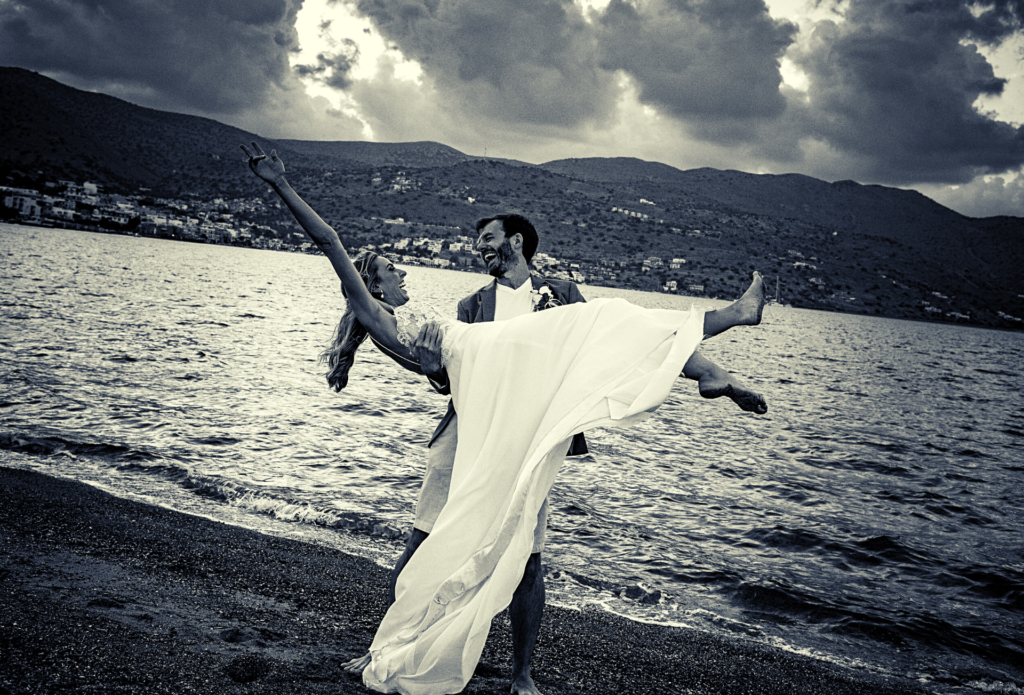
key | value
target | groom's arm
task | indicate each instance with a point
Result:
(439, 381)
(574, 294)
(427, 349)
(567, 291)
(429, 357)
(430, 360)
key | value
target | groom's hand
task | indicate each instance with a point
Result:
(427, 348)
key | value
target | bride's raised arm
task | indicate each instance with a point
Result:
(377, 321)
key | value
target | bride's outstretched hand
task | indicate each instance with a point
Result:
(270, 169)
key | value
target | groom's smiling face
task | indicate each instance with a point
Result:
(498, 252)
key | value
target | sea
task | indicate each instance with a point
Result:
(873, 518)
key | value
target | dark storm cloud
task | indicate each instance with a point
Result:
(714, 64)
(699, 60)
(528, 61)
(333, 69)
(891, 96)
(894, 86)
(999, 19)
(214, 56)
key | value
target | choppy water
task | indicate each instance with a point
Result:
(873, 517)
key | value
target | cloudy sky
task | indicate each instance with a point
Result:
(923, 94)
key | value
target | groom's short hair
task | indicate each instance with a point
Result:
(515, 224)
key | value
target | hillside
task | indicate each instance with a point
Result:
(837, 246)
(382, 154)
(978, 255)
(844, 206)
(54, 131)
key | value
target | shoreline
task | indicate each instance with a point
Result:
(104, 594)
(832, 310)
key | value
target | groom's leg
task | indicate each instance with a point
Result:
(433, 496)
(525, 613)
(416, 538)
(526, 609)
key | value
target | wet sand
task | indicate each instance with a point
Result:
(104, 595)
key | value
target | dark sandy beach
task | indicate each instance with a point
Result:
(104, 595)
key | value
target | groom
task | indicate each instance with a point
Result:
(506, 243)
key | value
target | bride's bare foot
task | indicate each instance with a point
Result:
(751, 304)
(745, 311)
(358, 664)
(717, 386)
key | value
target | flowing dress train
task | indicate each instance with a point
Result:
(522, 388)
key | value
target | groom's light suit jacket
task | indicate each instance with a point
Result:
(479, 307)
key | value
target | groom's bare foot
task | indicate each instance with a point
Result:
(524, 685)
(357, 665)
(751, 304)
(718, 386)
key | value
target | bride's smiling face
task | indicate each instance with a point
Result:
(390, 282)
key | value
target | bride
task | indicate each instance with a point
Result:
(522, 388)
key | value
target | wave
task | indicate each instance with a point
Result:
(51, 445)
(911, 630)
(127, 459)
(295, 511)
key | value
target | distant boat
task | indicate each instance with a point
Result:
(776, 302)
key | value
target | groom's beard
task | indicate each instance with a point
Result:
(506, 259)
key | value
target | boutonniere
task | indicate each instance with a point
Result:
(544, 298)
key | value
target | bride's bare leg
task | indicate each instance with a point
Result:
(715, 382)
(745, 311)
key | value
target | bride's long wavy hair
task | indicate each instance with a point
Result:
(350, 334)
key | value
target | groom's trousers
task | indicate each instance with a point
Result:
(437, 481)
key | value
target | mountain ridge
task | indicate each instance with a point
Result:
(861, 237)
(419, 154)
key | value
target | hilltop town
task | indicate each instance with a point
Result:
(85, 206)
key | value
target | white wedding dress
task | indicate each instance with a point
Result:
(521, 389)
